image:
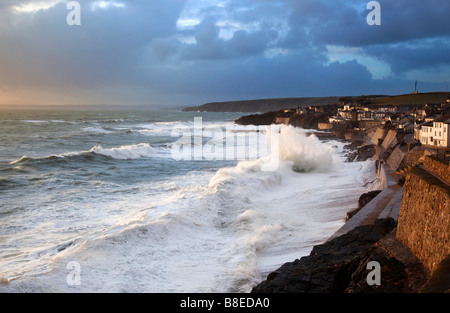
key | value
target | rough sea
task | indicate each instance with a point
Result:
(98, 201)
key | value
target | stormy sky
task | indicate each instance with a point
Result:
(188, 52)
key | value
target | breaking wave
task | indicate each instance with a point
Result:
(96, 129)
(294, 151)
(126, 152)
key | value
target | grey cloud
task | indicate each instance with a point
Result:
(344, 23)
(164, 47)
(137, 49)
(209, 46)
(405, 57)
(106, 48)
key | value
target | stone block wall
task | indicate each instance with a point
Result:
(325, 126)
(424, 218)
(282, 120)
(438, 167)
(412, 158)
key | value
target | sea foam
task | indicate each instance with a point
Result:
(203, 230)
(294, 150)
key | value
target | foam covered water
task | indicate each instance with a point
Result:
(135, 220)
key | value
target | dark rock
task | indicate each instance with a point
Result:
(267, 118)
(362, 201)
(308, 121)
(367, 197)
(329, 266)
(354, 145)
(362, 153)
(394, 278)
(351, 213)
(365, 152)
(440, 280)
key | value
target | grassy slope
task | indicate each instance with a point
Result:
(267, 105)
(414, 99)
(262, 105)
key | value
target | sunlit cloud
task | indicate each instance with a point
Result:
(104, 5)
(187, 23)
(33, 7)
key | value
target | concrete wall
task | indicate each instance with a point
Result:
(424, 217)
(390, 140)
(380, 133)
(395, 159)
(382, 176)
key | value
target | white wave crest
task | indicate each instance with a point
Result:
(96, 129)
(137, 151)
(295, 150)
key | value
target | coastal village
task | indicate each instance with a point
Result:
(405, 227)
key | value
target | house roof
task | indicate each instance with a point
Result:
(429, 124)
(444, 119)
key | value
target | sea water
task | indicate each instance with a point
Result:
(98, 196)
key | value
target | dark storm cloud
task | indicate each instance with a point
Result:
(343, 22)
(107, 47)
(403, 58)
(238, 49)
(209, 46)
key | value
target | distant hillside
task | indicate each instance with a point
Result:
(262, 105)
(413, 99)
(269, 105)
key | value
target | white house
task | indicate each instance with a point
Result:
(437, 132)
(426, 133)
(441, 131)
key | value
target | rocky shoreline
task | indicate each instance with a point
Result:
(340, 264)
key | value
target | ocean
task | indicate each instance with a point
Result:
(119, 201)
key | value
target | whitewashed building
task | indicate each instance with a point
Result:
(426, 133)
(441, 131)
(436, 133)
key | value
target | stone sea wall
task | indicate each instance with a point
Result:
(438, 167)
(424, 218)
